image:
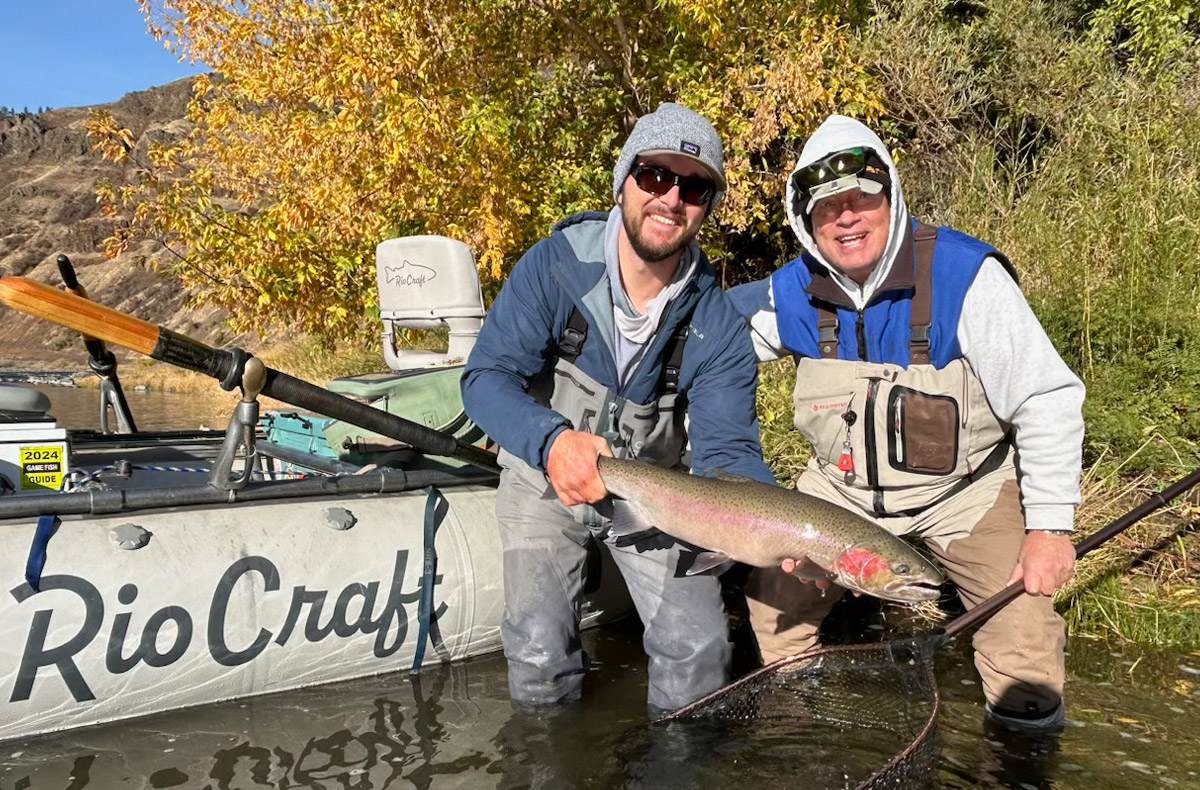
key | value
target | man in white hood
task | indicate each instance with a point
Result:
(935, 405)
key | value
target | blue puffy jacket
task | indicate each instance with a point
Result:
(519, 341)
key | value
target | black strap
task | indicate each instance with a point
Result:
(673, 357)
(436, 506)
(571, 343)
(990, 464)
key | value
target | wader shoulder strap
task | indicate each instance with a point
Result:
(673, 357)
(827, 329)
(571, 342)
(918, 323)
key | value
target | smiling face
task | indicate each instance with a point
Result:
(851, 231)
(658, 227)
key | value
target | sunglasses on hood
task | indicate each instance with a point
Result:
(837, 165)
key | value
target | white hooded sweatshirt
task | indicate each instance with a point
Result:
(1027, 383)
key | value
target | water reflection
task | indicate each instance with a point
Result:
(454, 727)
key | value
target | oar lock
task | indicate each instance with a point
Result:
(251, 374)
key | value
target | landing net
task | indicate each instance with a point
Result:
(829, 718)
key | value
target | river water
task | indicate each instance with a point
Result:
(1133, 722)
(79, 407)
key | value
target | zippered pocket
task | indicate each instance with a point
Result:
(922, 432)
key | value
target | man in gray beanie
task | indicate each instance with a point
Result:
(605, 333)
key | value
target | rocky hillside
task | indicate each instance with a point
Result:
(48, 206)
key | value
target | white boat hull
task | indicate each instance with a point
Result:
(231, 601)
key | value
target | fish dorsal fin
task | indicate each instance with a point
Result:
(627, 520)
(730, 477)
(714, 562)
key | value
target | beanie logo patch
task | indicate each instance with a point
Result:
(689, 148)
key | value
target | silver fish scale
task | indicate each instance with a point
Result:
(756, 523)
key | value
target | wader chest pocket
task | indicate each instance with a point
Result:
(922, 434)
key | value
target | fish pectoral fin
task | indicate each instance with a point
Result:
(713, 562)
(807, 569)
(626, 520)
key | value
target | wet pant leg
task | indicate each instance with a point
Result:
(544, 555)
(1019, 650)
(785, 612)
(686, 635)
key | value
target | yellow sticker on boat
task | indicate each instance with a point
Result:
(42, 466)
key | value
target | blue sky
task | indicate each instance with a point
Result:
(69, 53)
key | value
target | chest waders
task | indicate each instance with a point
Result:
(918, 450)
(652, 432)
(895, 440)
(545, 549)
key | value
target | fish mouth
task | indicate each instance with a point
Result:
(907, 591)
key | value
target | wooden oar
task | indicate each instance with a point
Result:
(156, 342)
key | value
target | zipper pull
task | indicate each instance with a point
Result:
(845, 461)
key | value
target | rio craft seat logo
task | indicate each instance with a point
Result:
(409, 274)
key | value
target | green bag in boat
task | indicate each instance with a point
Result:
(429, 396)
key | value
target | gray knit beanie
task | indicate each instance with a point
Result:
(673, 129)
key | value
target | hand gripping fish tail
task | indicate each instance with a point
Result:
(742, 520)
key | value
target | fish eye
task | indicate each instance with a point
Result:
(903, 568)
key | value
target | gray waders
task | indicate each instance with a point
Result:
(545, 548)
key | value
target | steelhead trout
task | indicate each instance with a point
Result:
(740, 519)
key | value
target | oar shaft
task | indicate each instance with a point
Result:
(296, 391)
(162, 344)
(75, 312)
(1119, 525)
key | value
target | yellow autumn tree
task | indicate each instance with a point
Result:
(326, 127)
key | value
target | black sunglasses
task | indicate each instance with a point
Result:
(695, 190)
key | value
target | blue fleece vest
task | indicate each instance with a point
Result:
(956, 261)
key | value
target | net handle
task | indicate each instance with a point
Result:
(1006, 596)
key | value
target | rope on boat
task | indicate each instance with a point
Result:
(77, 478)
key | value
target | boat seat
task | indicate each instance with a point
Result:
(18, 402)
(427, 282)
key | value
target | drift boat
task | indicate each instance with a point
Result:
(149, 571)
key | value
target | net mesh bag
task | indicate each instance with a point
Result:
(860, 716)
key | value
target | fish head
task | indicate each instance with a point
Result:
(904, 576)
